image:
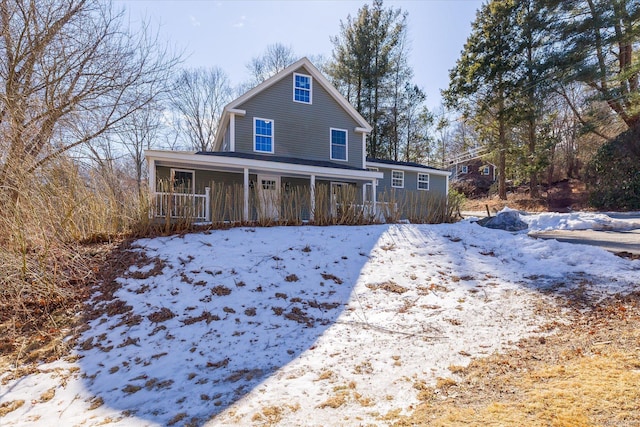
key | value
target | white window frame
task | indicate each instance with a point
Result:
(346, 144)
(465, 169)
(401, 178)
(486, 170)
(310, 88)
(193, 179)
(423, 181)
(273, 132)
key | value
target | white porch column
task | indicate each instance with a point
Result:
(152, 186)
(232, 132)
(312, 188)
(374, 197)
(207, 206)
(245, 212)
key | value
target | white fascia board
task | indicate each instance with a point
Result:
(224, 123)
(409, 168)
(262, 165)
(362, 130)
(317, 75)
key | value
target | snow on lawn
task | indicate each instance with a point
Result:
(580, 221)
(305, 325)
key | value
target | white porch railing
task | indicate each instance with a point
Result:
(379, 212)
(183, 205)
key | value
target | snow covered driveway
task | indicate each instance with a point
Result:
(306, 325)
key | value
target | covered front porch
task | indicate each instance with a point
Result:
(222, 186)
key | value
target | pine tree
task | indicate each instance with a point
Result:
(369, 67)
(485, 78)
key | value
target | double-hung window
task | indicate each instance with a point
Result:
(302, 88)
(262, 135)
(397, 179)
(423, 181)
(338, 144)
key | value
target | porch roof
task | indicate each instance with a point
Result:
(412, 166)
(237, 162)
(279, 159)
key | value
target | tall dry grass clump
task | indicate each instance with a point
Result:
(46, 224)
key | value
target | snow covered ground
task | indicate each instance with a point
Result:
(309, 325)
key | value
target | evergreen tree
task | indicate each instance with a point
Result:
(595, 46)
(369, 67)
(485, 78)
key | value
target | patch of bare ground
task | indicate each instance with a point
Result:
(585, 374)
(38, 330)
(562, 196)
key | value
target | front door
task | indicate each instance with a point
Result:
(268, 197)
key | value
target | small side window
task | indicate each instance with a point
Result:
(423, 181)
(397, 179)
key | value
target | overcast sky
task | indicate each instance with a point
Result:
(228, 33)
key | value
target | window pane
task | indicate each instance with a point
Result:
(397, 179)
(423, 181)
(263, 143)
(302, 88)
(182, 181)
(338, 144)
(264, 135)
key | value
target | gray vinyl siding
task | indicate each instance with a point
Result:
(299, 130)
(437, 183)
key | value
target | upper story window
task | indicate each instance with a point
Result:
(423, 181)
(485, 170)
(262, 135)
(302, 88)
(338, 144)
(397, 179)
(465, 169)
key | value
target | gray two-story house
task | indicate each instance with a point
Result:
(284, 141)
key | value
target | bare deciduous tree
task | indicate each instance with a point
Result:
(197, 98)
(276, 58)
(71, 71)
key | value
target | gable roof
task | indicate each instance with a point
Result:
(317, 77)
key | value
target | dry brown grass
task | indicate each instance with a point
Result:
(587, 374)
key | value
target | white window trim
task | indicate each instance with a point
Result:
(423, 181)
(310, 88)
(273, 133)
(465, 169)
(486, 170)
(193, 181)
(346, 145)
(397, 186)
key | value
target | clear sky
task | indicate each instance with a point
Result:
(229, 33)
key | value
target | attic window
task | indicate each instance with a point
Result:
(465, 169)
(302, 88)
(485, 170)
